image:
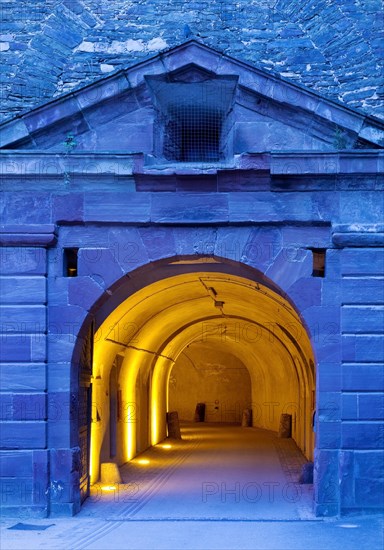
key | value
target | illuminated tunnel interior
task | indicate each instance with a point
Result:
(199, 336)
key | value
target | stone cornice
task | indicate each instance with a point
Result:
(44, 164)
(27, 235)
(358, 235)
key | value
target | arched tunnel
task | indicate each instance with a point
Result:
(203, 334)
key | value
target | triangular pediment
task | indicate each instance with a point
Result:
(127, 111)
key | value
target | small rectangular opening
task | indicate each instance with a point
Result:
(318, 256)
(70, 262)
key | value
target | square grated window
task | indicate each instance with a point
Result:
(193, 134)
(194, 118)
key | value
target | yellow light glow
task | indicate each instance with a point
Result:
(108, 488)
(143, 461)
(166, 446)
(152, 327)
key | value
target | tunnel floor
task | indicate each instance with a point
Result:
(217, 471)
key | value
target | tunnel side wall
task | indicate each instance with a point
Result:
(43, 311)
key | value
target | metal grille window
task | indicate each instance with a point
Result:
(193, 134)
(194, 116)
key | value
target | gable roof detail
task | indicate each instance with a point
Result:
(264, 92)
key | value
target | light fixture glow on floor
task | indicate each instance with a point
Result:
(143, 461)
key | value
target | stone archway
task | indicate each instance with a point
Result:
(197, 300)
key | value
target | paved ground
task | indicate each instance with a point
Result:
(217, 489)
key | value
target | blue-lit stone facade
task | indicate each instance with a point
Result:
(85, 172)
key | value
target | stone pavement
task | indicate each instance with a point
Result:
(216, 489)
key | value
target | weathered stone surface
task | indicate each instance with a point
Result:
(263, 246)
(22, 461)
(326, 481)
(189, 208)
(362, 262)
(349, 406)
(28, 208)
(306, 293)
(329, 435)
(286, 270)
(83, 291)
(369, 493)
(68, 207)
(23, 377)
(347, 482)
(128, 247)
(23, 290)
(22, 319)
(100, 264)
(23, 435)
(362, 377)
(371, 407)
(328, 376)
(363, 348)
(196, 240)
(369, 464)
(118, 207)
(361, 435)
(232, 242)
(361, 290)
(362, 319)
(159, 243)
(22, 347)
(22, 261)
(66, 319)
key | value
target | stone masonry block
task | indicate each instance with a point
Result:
(362, 291)
(185, 208)
(287, 269)
(22, 319)
(329, 435)
(25, 290)
(24, 407)
(158, 241)
(369, 464)
(196, 240)
(23, 435)
(68, 207)
(362, 435)
(117, 207)
(264, 244)
(346, 475)
(362, 319)
(363, 377)
(83, 291)
(306, 293)
(100, 264)
(326, 478)
(22, 261)
(369, 493)
(27, 207)
(328, 376)
(349, 405)
(22, 377)
(362, 261)
(371, 407)
(16, 463)
(129, 250)
(231, 242)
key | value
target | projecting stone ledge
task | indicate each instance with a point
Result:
(27, 235)
(358, 235)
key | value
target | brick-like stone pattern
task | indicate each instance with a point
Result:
(52, 47)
